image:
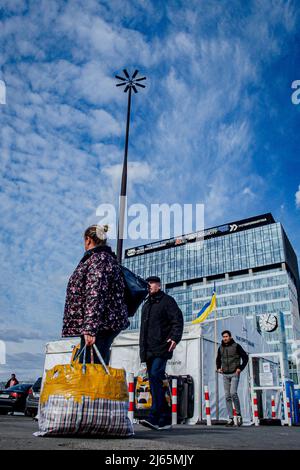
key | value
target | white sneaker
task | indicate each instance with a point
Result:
(148, 424)
(164, 427)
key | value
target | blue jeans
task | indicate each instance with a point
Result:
(103, 342)
(156, 367)
(231, 383)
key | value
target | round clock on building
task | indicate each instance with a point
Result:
(268, 322)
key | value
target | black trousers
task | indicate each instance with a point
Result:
(104, 340)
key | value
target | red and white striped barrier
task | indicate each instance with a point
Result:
(207, 406)
(273, 407)
(174, 401)
(131, 396)
(255, 410)
(234, 414)
(289, 416)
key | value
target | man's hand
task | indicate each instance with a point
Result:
(172, 345)
(238, 371)
(89, 339)
(220, 371)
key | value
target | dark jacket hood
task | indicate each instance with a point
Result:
(98, 249)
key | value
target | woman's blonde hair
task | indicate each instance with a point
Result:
(97, 233)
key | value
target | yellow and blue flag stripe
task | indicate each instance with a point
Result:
(206, 309)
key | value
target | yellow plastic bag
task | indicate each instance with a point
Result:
(84, 399)
(70, 382)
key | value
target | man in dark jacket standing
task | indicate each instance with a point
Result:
(12, 381)
(161, 331)
(231, 361)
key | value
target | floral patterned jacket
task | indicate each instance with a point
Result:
(95, 295)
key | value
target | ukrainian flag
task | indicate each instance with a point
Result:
(206, 309)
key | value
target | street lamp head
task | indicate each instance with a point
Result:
(130, 82)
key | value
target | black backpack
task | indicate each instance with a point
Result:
(136, 290)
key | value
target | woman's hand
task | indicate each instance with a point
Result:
(89, 339)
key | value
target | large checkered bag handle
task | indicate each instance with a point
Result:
(83, 350)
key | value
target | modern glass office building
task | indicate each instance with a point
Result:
(251, 263)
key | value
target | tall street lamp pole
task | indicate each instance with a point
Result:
(130, 84)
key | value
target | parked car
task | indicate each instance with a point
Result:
(14, 398)
(32, 401)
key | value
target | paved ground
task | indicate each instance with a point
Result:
(16, 433)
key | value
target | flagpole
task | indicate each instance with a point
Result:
(216, 373)
(202, 315)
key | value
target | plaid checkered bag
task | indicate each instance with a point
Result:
(84, 399)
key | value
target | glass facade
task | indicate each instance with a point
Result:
(233, 252)
(255, 271)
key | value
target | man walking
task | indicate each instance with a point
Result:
(161, 331)
(231, 361)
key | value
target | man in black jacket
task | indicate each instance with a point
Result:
(161, 331)
(12, 381)
(230, 355)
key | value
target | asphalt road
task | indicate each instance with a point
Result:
(16, 432)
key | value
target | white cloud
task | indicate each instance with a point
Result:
(95, 85)
(110, 43)
(297, 198)
(104, 125)
(140, 173)
(27, 366)
(2, 92)
(19, 335)
(248, 192)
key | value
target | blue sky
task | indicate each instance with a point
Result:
(215, 125)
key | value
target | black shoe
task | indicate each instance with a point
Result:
(239, 420)
(230, 423)
(147, 423)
